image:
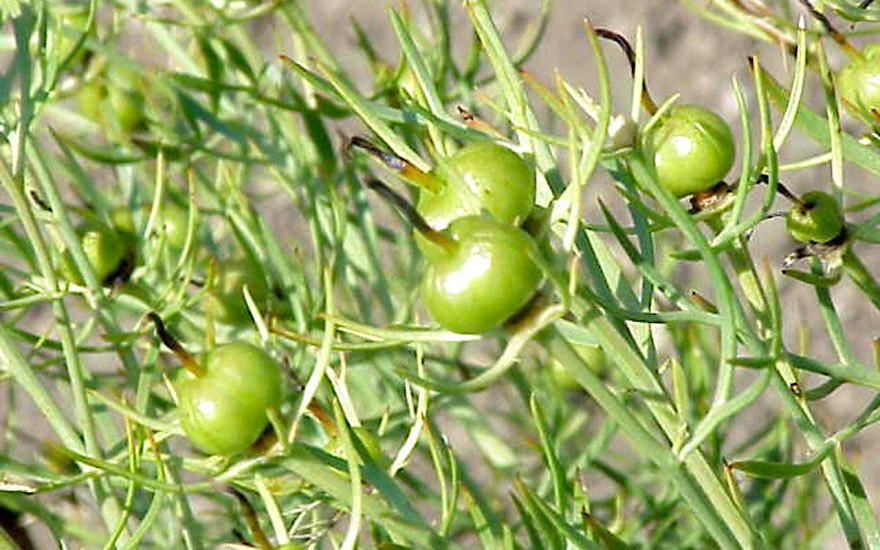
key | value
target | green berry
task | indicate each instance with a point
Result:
(691, 149)
(484, 279)
(173, 223)
(104, 249)
(90, 100)
(593, 357)
(818, 218)
(480, 177)
(122, 221)
(114, 101)
(224, 409)
(74, 22)
(858, 84)
(128, 107)
(226, 298)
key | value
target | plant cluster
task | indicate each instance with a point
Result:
(325, 361)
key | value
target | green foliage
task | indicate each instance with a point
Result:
(641, 385)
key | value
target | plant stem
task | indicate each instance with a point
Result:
(695, 480)
(186, 358)
(860, 275)
(106, 500)
(407, 170)
(745, 270)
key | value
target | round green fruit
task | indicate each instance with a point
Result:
(90, 100)
(224, 409)
(818, 218)
(483, 279)
(480, 177)
(114, 101)
(691, 149)
(127, 105)
(226, 298)
(104, 249)
(593, 357)
(173, 224)
(858, 85)
(122, 221)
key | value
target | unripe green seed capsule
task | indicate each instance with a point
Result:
(817, 219)
(224, 410)
(858, 85)
(487, 276)
(226, 298)
(691, 149)
(481, 176)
